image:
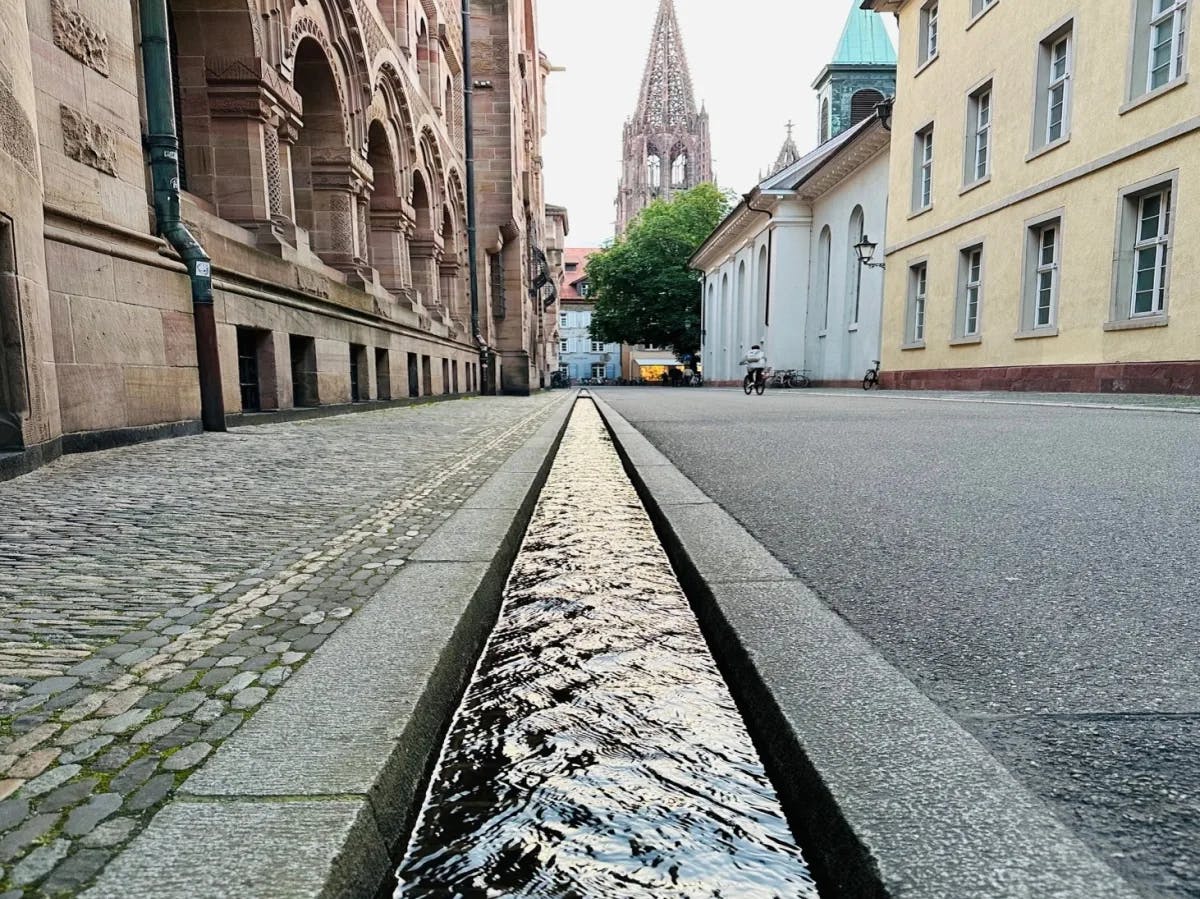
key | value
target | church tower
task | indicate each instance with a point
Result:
(666, 146)
(862, 73)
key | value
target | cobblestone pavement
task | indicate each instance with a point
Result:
(152, 597)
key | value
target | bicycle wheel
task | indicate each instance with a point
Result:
(760, 386)
(748, 384)
(870, 380)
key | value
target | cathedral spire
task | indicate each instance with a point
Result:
(788, 154)
(666, 145)
(666, 97)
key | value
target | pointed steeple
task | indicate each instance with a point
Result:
(666, 97)
(864, 41)
(787, 155)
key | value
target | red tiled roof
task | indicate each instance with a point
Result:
(579, 256)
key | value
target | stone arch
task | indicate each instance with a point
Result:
(327, 184)
(824, 123)
(824, 250)
(430, 158)
(863, 103)
(390, 91)
(388, 220)
(728, 361)
(654, 168)
(854, 268)
(424, 55)
(742, 314)
(764, 287)
(425, 247)
(680, 165)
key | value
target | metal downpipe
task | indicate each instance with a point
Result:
(162, 142)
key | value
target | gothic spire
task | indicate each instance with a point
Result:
(788, 154)
(666, 98)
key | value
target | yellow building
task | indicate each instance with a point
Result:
(1044, 197)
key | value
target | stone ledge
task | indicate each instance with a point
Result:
(304, 413)
(334, 767)
(887, 794)
(91, 441)
(18, 462)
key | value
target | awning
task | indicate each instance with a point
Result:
(667, 361)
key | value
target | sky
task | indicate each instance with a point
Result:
(752, 62)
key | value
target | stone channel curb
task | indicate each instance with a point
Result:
(888, 795)
(311, 797)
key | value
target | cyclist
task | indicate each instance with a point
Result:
(755, 361)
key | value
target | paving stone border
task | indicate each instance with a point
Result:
(328, 776)
(91, 751)
(888, 795)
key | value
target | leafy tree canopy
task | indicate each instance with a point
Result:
(643, 289)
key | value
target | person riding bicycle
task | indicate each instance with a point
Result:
(755, 361)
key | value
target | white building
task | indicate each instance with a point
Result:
(781, 270)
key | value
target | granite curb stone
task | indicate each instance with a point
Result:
(889, 795)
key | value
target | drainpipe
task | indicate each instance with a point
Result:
(162, 142)
(472, 224)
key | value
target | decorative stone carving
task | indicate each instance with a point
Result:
(274, 186)
(16, 133)
(88, 142)
(74, 33)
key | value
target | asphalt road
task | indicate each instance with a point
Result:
(1032, 569)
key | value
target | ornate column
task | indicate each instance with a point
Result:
(338, 236)
(389, 252)
(249, 106)
(426, 251)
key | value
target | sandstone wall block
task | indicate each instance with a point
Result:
(88, 142)
(76, 34)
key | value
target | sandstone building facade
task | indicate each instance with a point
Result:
(321, 166)
(1043, 194)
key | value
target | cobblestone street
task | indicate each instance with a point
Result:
(152, 597)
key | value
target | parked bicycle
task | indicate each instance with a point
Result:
(789, 378)
(871, 378)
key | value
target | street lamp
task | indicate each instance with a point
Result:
(866, 252)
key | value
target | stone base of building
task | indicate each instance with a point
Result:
(18, 462)
(91, 441)
(1117, 377)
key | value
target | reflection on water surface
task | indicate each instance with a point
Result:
(597, 752)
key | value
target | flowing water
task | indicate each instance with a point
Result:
(597, 752)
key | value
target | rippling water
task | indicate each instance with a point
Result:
(597, 752)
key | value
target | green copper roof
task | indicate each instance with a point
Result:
(864, 41)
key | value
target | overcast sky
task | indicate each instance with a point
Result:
(752, 62)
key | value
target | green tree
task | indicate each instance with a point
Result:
(643, 289)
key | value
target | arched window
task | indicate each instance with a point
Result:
(742, 313)
(764, 286)
(862, 105)
(424, 56)
(654, 171)
(823, 251)
(679, 171)
(854, 271)
(723, 324)
(824, 121)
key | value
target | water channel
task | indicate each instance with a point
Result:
(597, 753)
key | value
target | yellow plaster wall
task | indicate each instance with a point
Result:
(1003, 45)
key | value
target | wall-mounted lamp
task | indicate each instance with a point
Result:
(866, 252)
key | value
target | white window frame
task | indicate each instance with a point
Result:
(968, 306)
(562, 346)
(602, 370)
(977, 160)
(597, 346)
(1042, 280)
(979, 7)
(1156, 244)
(1058, 90)
(923, 155)
(927, 52)
(1171, 15)
(916, 315)
(562, 319)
